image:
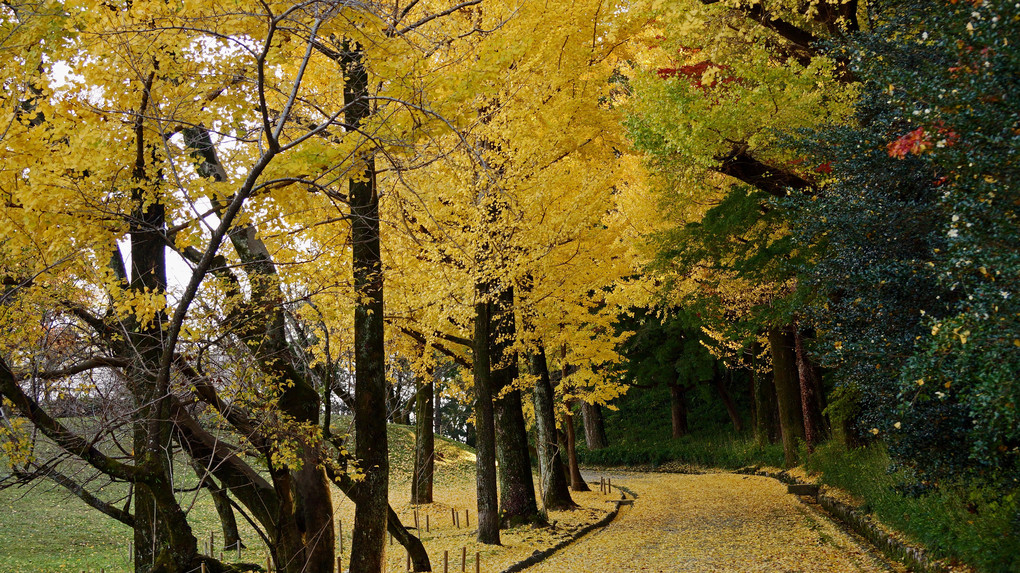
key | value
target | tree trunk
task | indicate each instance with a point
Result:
(424, 445)
(517, 485)
(225, 511)
(814, 424)
(162, 535)
(555, 490)
(485, 431)
(678, 409)
(371, 447)
(577, 482)
(594, 426)
(784, 376)
(731, 408)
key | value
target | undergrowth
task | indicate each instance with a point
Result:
(960, 520)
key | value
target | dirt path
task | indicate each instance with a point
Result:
(715, 522)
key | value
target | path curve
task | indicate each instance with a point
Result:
(715, 522)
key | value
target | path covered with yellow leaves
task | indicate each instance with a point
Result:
(716, 522)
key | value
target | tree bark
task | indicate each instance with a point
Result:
(371, 447)
(424, 444)
(784, 376)
(814, 424)
(517, 485)
(594, 426)
(485, 431)
(678, 409)
(555, 489)
(766, 410)
(577, 482)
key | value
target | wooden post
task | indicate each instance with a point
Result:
(339, 564)
(203, 567)
(609, 485)
(453, 517)
(446, 561)
(463, 559)
(340, 535)
(467, 517)
(426, 523)
(478, 563)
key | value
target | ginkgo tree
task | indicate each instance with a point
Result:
(219, 132)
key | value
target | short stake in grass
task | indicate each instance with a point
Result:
(478, 562)
(446, 561)
(463, 559)
(426, 523)
(467, 517)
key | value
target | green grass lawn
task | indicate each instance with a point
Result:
(43, 528)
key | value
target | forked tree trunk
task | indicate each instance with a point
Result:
(784, 370)
(424, 445)
(594, 426)
(371, 447)
(555, 490)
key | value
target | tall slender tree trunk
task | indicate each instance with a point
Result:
(788, 398)
(594, 426)
(555, 490)
(424, 444)
(577, 482)
(678, 409)
(485, 431)
(371, 447)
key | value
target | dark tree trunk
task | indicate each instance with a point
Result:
(371, 448)
(485, 431)
(731, 408)
(594, 426)
(766, 410)
(424, 444)
(516, 482)
(577, 482)
(225, 511)
(678, 409)
(162, 535)
(814, 423)
(555, 490)
(784, 375)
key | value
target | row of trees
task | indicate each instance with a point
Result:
(205, 204)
